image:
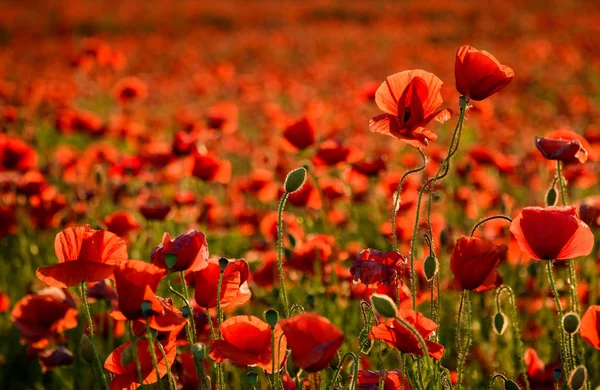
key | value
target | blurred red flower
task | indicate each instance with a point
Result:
(300, 134)
(589, 328)
(372, 267)
(121, 223)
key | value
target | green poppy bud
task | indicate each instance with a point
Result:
(128, 355)
(295, 180)
(384, 305)
(252, 378)
(551, 197)
(199, 351)
(272, 317)
(430, 267)
(510, 385)
(500, 323)
(578, 378)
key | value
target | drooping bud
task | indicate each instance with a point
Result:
(511, 385)
(272, 317)
(295, 180)
(578, 378)
(252, 378)
(384, 305)
(430, 267)
(199, 351)
(223, 263)
(551, 197)
(86, 349)
(170, 260)
(571, 322)
(500, 323)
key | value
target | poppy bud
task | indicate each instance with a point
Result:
(557, 374)
(384, 305)
(185, 312)
(578, 378)
(430, 267)
(170, 260)
(223, 263)
(271, 317)
(500, 323)
(510, 385)
(295, 180)
(551, 197)
(146, 308)
(252, 378)
(571, 322)
(127, 356)
(199, 351)
(86, 349)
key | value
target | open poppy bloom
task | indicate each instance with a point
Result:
(396, 335)
(589, 329)
(410, 100)
(84, 255)
(478, 74)
(126, 376)
(372, 267)
(234, 289)
(190, 248)
(554, 233)
(369, 380)
(247, 342)
(474, 262)
(313, 339)
(137, 281)
(563, 145)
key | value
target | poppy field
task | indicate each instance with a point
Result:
(299, 195)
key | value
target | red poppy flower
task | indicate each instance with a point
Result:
(563, 145)
(155, 209)
(122, 223)
(137, 281)
(84, 255)
(40, 317)
(394, 334)
(223, 116)
(129, 89)
(126, 376)
(410, 100)
(234, 289)
(474, 262)
(331, 153)
(190, 248)
(589, 328)
(478, 74)
(313, 339)
(372, 267)
(300, 134)
(371, 167)
(247, 342)
(552, 233)
(369, 380)
(589, 211)
(208, 168)
(16, 154)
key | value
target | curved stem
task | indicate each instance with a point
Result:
(564, 355)
(397, 197)
(465, 350)
(172, 384)
(92, 338)
(484, 220)
(280, 252)
(494, 379)
(332, 384)
(153, 354)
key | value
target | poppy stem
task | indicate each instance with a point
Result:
(274, 381)
(561, 183)
(397, 198)
(136, 357)
(484, 220)
(219, 309)
(92, 338)
(153, 354)
(465, 303)
(420, 338)
(491, 385)
(172, 384)
(280, 253)
(516, 331)
(563, 352)
(333, 383)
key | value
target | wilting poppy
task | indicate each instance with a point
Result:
(313, 339)
(84, 255)
(122, 223)
(190, 249)
(372, 267)
(396, 335)
(474, 262)
(589, 329)
(300, 134)
(369, 380)
(478, 74)
(564, 146)
(234, 289)
(246, 341)
(137, 281)
(410, 100)
(126, 376)
(552, 233)
(51, 358)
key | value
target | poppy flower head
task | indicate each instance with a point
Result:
(372, 267)
(137, 281)
(234, 288)
(247, 342)
(313, 339)
(84, 255)
(563, 145)
(554, 233)
(190, 249)
(474, 262)
(300, 134)
(478, 74)
(121, 223)
(410, 100)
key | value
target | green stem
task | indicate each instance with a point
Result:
(219, 309)
(564, 354)
(273, 358)
(494, 379)
(418, 336)
(153, 354)
(561, 183)
(466, 303)
(397, 197)
(172, 384)
(332, 384)
(92, 338)
(484, 220)
(280, 253)
(136, 356)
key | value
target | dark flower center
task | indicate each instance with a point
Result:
(406, 114)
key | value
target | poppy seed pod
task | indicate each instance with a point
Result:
(500, 323)
(223, 263)
(571, 322)
(199, 351)
(295, 180)
(557, 374)
(86, 349)
(252, 378)
(384, 305)
(271, 317)
(578, 378)
(511, 385)
(170, 260)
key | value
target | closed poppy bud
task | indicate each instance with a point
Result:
(511, 385)
(571, 322)
(252, 378)
(478, 74)
(384, 305)
(551, 197)
(199, 351)
(430, 267)
(295, 180)
(500, 323)
(578, 378)
(271, 317)
(86, 349)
